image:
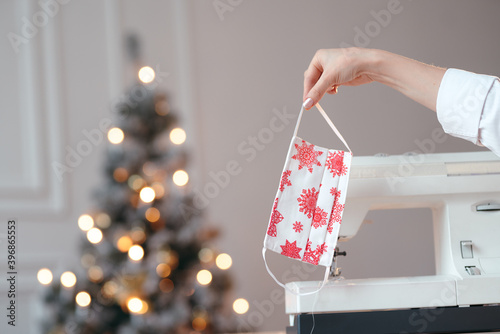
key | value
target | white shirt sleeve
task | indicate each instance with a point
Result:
(468, 107)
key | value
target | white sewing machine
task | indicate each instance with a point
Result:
(463, 192)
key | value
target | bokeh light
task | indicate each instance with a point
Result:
(124, 243)
(199, 324)
(159, 189)
(135, 182)
(68, 279)
(85, 222)
(83, 299)
(136, 305)
(146, 74)
(95, 274)
(94, 235)
(115, 135)
(166, 285)
(120, 174)
(206, 255)
(136, 252)
(163, 270)
(44, 276)
(152, 215)
(223, 261)
(177, 136)
(241, 306)
(180, 178)
(204, 277)
(103, 220)
(147, 194)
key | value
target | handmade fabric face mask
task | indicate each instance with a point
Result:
(307, 210)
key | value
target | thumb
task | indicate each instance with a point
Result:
(317, 92)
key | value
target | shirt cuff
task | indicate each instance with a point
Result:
(460, 103)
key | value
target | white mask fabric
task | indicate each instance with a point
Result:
(308, 206)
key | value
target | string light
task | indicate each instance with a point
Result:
(241, 306)
(223, 261)
(135, 182)
(158, 188)
(68, 279)
(95, 274)
(44, 276)
(85, 222)
(199, 324)
(163, 270)
(136, 305)
(166, 285)
(136, 253)
(152, 215)
(204, 277)
(103, 220)
(206, 255)
(147, 194)
(146, 74)
(177, 136)
(180, 178)
(94, 235)
(83, 299)
(124, 243)
(115, 136)
(120, 174)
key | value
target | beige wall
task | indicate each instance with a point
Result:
(230, 74)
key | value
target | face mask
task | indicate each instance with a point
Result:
(307, 210)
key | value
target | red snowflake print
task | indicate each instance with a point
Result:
(312, 256)
(276, 218)
(297, 227)
(307, 156)
(284, 180)
(319, 218)
(335, 163)
(290, 249)
(307, 201)
(335, 216)
(335, 193)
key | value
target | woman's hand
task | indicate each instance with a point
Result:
(331, 68)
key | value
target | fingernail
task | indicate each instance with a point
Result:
(308, 103)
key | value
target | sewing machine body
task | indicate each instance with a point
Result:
(463, 192)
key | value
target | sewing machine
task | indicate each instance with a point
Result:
(463, 192)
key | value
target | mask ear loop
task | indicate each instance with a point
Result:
(325, 279)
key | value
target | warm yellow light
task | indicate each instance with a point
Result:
(206, 255)
(136, 305)
(146, 74)
(124, 243)
(162, 108)
(120, 174)
(44, 276)
(204, 277)
(136, 253)
(241, 306)
(147, 194)
(95, 274)
(166, 285)
(152, 215)
(177, 136)
(103, 220)
(158, 188)
(199, 324)
(115, 135)
(135, 182)
(109, 289)
(68, 279)
(223, 261)
(137, 234)
(85, 222)
(163, 270)
(180, 178)
(83, 299)
(94, 235)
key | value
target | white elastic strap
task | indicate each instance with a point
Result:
(325, 279)
(327, 119)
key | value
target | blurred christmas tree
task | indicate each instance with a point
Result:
(147, 265)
